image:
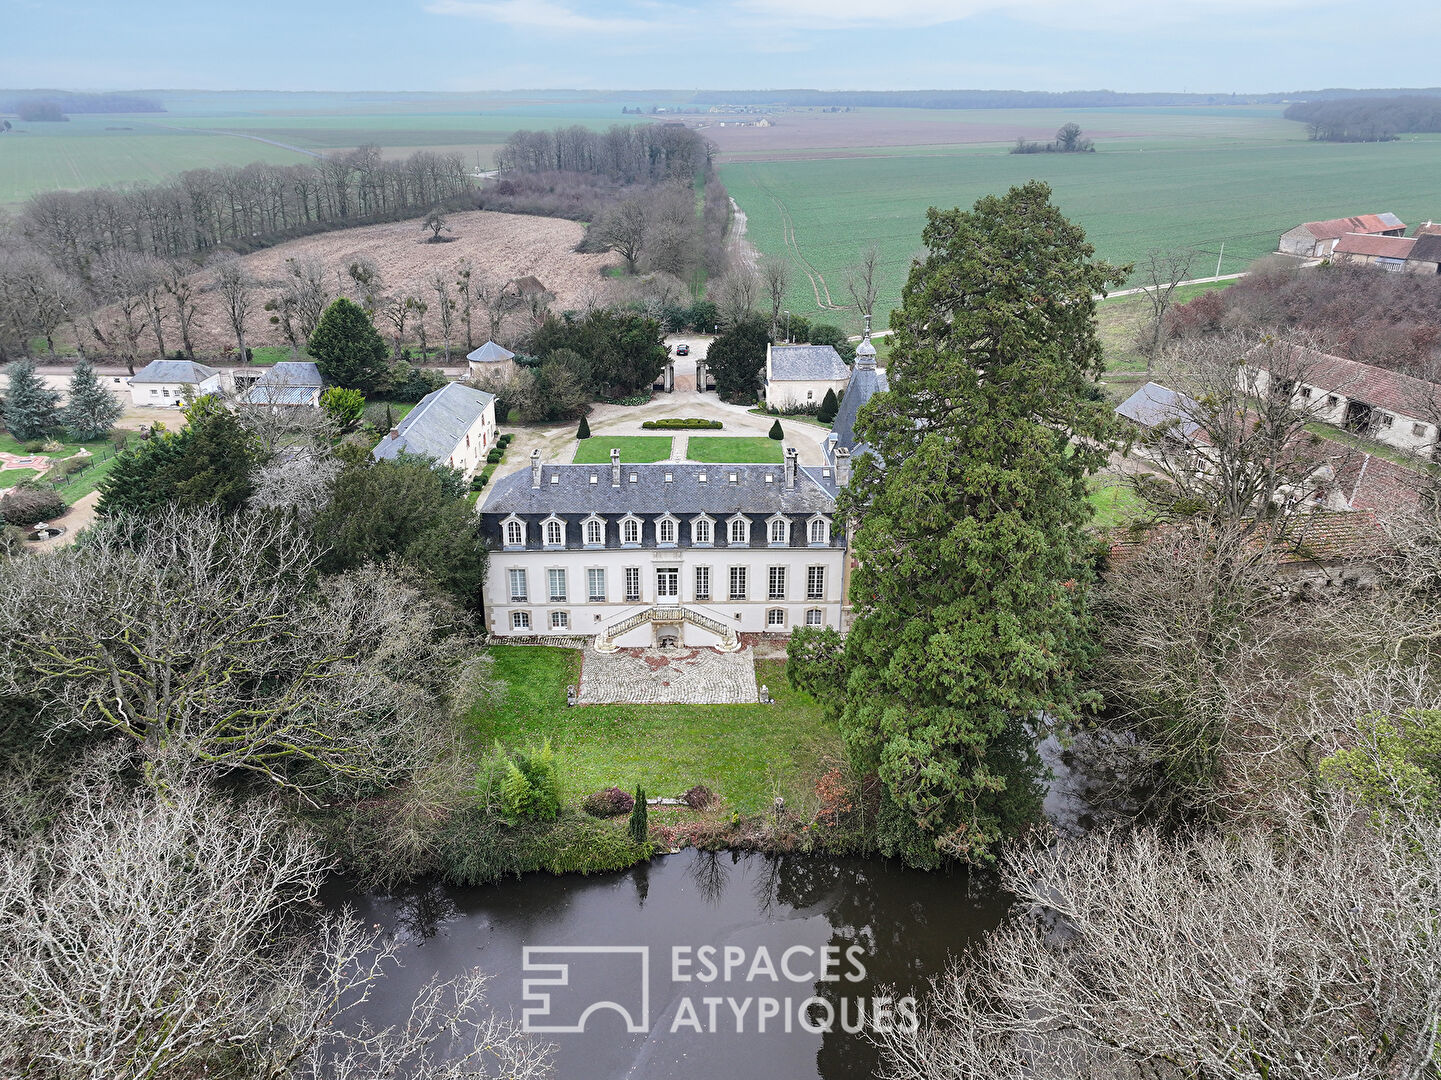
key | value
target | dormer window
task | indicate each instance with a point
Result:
(630, 531)
(666, 530)
(554, 533)
(780, 531)
(700, 531)
(820, 531)
(594, 532)
(515, 533)
(740, 530)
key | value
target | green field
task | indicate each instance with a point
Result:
(733, 450)
(1198, 185)
(634, 449)
(745, 753)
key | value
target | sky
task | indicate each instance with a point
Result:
(467, 45)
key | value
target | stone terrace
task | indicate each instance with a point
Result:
(679, 676)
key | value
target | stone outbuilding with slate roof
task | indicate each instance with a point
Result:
(801, 374)
(290, 383)
(490, 360)
(677, 552)
(453, 426)
(170, 383)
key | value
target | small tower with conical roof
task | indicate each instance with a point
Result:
(865, 351)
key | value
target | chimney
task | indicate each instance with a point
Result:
(535, 468)
(843, 466)
(615, 468)
(791, 454)
(395, 433)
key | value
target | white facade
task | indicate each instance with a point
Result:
(1344, 404)
(171, 383)
(453, 426)
(798, 375)
(468, 454)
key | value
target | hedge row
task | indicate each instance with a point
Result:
(690, 423)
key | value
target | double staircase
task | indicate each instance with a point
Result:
(673, 613)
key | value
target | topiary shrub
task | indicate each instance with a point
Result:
(776, 432)
(639, 825)
(493, 458)
(607, 803)
(699, 797)
(583, 432)
(27, 503)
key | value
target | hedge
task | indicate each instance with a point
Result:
(690, 423)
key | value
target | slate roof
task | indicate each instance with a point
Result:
(260, 394)
(567, 489)
(173, 371)
(1427, 247)
(437, 424)
(1384, 247)
(1154, 404)
(489, 353)
(810, 363)
(1362, 223)
(866, 382)
(292, 373)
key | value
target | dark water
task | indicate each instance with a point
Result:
(900, 927)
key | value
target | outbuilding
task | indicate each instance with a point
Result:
(171, 383)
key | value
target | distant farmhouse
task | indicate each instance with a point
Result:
(1317, 239)
(453, 426)
(172, 383)
(801, 374)
(1382, 252)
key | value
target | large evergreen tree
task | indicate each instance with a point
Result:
(971, 627)
(92, 409)
(207, 463)
(347, 348)
(737, 357)
(31, 408)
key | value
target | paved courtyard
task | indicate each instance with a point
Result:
(679, 676)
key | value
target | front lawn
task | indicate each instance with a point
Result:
(734, 450)
(634, 449)
(745, 753)
(11, 477)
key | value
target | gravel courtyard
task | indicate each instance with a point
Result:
(679, 676)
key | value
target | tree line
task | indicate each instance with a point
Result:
(631, 153)
(1367, 119)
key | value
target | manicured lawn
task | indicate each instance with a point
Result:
(745, 753)
(634, 449)
(11, 477)
(732, 449)
(802, 417)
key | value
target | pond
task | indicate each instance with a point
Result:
(698, 965)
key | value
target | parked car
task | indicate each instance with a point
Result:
(682, 349)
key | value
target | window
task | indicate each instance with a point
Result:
(702, 582)
(1332, 401)
(815, 617)
(554, 533)
(700, 531)
(520, 620)
(630, 531)
(517, 587)
(632, 582)
(595, 532)
(777, 590)
(738, 582)
(559, 620)
(595, 585)
(779, 528)
(739, 529)
(557, 585)
(1386, 420)
(667, 583)
(776, 617)
(816, 583)
(665, 531)
(818, 532)
(165, 391)
(1420, 430)
(514, 534)
(810, 395)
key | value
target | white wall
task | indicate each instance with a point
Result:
(170, 395)
(482, 435)
(587, 618)
(785, 392)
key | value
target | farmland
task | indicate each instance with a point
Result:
(1173, 179)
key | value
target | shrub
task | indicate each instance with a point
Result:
(526, 784)
(829, 407)
(478, 481)
(35, 446)
(776, 432)
(690, 423)
(493, 458)
(27, 503)
(607, 803)
(583, 432)
(638, 827)
(699, 797)
(504, 440)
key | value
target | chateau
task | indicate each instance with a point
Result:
(672, 553)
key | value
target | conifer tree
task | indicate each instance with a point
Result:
(971, 628)
(92, 409)
(639, 826)
(776, 432)
(583, 432)
(347, 348)
(31, 408)
(829, 407)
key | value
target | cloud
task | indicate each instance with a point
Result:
(913, 14)
(540, 15)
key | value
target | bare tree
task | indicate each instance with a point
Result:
(397, 310)
(465, 285)
(119, 279)
(622, 229)
(419, 308)
(156, 935)
(368, 283)
(439, 282)
(1163, 271)
(863, 281)
(1135, 957)
(305, 292)
(151, 287)
(737, 294)
(40, 298)
(490, 294)
(237, 291)
(776, 281)
(179, 283)
(173, 633)
(436, 223)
